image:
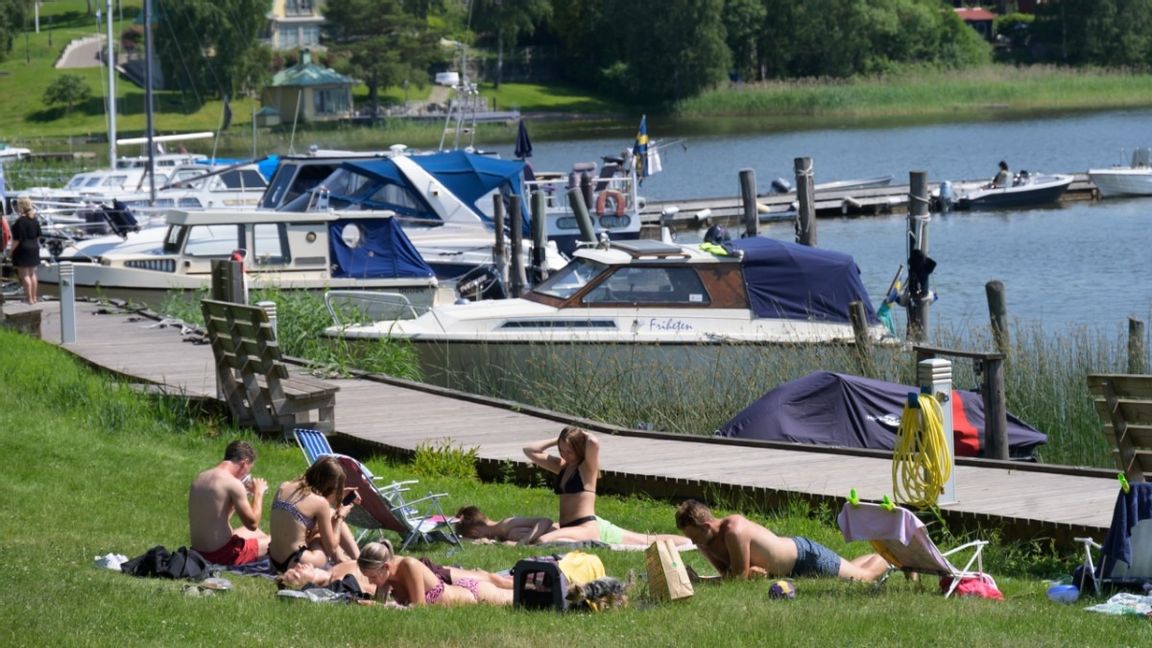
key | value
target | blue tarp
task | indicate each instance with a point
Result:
(834, 409)
(468, 176)
(384, 252)
(799, 282)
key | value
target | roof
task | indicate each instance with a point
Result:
(975, 14)
(307, 73)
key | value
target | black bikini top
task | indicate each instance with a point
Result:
(575, 484)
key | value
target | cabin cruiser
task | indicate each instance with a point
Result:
(646, 297)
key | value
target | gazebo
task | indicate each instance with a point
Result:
(309, 92)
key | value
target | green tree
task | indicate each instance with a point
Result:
(507, 20)
(68, 89)
(210, 46)
(380, 43)
(11, 22)
(743, 20)
(1115, 33)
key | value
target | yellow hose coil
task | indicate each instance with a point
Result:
(921, 464)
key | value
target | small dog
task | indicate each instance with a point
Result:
(598, 595)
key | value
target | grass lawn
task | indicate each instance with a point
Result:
(89, 467)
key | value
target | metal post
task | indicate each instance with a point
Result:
(269, 308)
(806, 202)
(111, 62)
(67, 303)
(935, 377)
(748, 199)
(583, 219)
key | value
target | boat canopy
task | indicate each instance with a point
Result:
(374, 248)
(470, 177)
(793, 281)
(834, 409)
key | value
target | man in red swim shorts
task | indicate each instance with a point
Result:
(218, 493)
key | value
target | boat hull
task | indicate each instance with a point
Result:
(1122, 182)
(1035, 194)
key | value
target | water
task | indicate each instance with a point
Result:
(1084, 264)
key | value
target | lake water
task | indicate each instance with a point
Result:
(1081, 264)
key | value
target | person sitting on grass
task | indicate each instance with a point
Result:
(474, 525)
(577, 470)
(307, 518)
(411, 581)
(218, 493)
(741, 548)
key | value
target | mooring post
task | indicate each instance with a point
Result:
(995, 411)
(806, 202)
(935, 378)
(539, 237)
(998, 313)
(269, 308)
(748, 200)
(580, 211)
(1137, 355)
(859, 317)
(67, 303)
(516, 224)
(228, 281)
(918, 218)
(500, 249)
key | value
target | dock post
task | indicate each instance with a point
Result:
(998, 313)
(67, 303)
(583, 219)
(859, 317)
(806, 202)
(269, 308)
(995, 411)
(935, 377)
(1137, 355)
(539, 237)
(228, 281)
(516, 279)
(500, 250)
(748, 200)
(918, 218)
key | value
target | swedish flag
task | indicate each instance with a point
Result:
(640, 150)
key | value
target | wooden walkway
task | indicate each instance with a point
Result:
(396, 417)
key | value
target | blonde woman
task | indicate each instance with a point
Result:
(26, 235)
(307, 519)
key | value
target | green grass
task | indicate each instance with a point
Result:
(90, 467)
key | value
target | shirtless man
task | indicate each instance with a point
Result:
(215, 495)
(740, 548)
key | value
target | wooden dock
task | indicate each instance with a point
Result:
(1020, 501)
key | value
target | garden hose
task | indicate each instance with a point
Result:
(921, 463)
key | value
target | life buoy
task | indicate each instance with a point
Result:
(602, 201)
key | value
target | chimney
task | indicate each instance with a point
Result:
(305, 57)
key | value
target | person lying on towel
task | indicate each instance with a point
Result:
(474, 525)
(741, 548)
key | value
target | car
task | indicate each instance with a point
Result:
(447, 78)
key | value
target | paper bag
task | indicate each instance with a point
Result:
(667, 577)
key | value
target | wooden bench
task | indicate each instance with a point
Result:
(1124, 404)
(253, 379)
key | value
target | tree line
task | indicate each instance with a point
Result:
(648, 52)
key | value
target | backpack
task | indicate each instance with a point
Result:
(158, 562)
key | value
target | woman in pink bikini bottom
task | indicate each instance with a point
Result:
(414, 581)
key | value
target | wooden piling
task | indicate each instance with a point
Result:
(859, 317)
(539, 237)
(228, 281)
(995, 411)
(748, 200)
(918, 240)
(500, 248)
(583, 219)
(998, 314)
(516, 280)
(806, 202)
(1137, 353)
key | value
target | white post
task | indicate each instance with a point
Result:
(270, 309)
(111, 62)
(67, 303)
(936, 375)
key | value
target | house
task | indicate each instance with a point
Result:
(310, 92)
(979, 19)
(294, 24)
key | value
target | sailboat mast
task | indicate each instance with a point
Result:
(148, 102)
(111, 62)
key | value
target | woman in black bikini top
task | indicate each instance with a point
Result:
(577, 470)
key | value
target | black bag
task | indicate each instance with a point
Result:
(158, 562)
(149, 565)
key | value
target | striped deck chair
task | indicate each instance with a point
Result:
(387, 508)
(313, 443)
(902, 539)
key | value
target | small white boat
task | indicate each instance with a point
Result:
(645, 297)
(1026, 190)
(1134, 180)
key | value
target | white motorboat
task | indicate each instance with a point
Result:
(676, 305)
(1134, 180)
(1026, 190)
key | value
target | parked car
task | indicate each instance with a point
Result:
(447, 78)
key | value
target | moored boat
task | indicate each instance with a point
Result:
(1026, 190)
(1133, 180)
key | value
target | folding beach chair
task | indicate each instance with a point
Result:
(387, 508)
(313, 443)
(902, 539)
(1126, 555)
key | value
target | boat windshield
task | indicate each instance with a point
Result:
(571, 278)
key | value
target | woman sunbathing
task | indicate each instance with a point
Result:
(577, 470)
(380, 572)
(307, 519)
(473, 524)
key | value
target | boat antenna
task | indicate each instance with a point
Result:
(148, 102)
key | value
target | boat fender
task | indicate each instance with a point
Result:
(602, 201)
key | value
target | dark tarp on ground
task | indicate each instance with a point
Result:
(832, 409)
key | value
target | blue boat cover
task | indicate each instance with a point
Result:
(468, 176)
(834, 409)
(793, 281)
(384, 251)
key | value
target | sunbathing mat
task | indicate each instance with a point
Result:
(1124, 603)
